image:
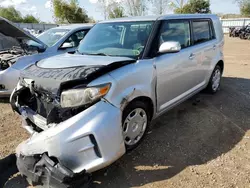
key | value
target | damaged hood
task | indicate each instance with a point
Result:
(69, 70)
(75, 60)
(9, 29)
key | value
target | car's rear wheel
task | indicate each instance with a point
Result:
(215, 80)
(134, 124)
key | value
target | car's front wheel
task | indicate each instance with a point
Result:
(215, 80)
(135, 121)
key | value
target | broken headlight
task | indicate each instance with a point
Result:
(83, 96)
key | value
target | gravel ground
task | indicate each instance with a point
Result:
(204, 142)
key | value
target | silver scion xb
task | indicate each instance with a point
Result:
(85, 110)
(31, 49)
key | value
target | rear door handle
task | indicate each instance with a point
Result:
(192, 56)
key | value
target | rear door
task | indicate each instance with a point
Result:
(204, 46)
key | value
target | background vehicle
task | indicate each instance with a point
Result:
(245, 33)
(241, 32)
(231, 31)
(235, 32)
(95, 105)
(52, 42)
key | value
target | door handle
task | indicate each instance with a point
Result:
(214, 47)
(192, 56)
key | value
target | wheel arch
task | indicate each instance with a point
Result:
(144, 99)
(221, 64)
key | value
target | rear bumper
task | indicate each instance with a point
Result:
(42, 170)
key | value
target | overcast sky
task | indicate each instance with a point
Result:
(41, 8)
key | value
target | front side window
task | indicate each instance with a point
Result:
(201, 31)
(177, 31)
(76, 38)
(126, 39)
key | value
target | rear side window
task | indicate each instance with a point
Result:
(202, 31)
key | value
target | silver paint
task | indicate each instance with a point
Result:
(166, 80)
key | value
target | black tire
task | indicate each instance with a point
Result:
(210, 88)
(130, 108)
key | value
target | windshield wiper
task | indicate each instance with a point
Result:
(98, 54)
(77, 51)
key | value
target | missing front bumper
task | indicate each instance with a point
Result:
(42, 170)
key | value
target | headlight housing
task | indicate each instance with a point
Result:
(83, 96)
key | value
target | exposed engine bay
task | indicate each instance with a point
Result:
(15, 44)
(9, 57)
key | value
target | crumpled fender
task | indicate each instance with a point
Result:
(129, 82)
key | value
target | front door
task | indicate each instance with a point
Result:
(178, 74)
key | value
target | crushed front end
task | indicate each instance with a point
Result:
(42, 170)
(66, 144)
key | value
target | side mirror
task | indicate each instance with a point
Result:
(170, 47)
(66, 45)
(41, 50)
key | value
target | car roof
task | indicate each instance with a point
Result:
(75, 26)
(161, 17)
(135, 18)
(188, 16)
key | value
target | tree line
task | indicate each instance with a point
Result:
(14, 15)
(69, 11)
(114, 9)
(122, 8)
(244, 7)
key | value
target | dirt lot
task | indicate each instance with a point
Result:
(202, 145)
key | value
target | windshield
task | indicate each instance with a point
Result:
(51, 36)
(126, 39)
